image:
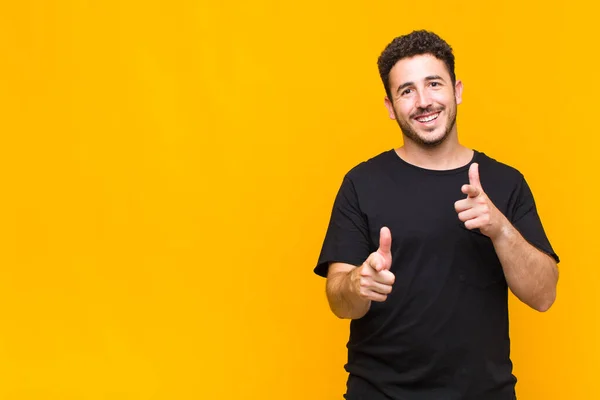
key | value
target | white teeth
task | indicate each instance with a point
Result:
(427, 119)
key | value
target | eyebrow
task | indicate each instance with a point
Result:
(429, 78)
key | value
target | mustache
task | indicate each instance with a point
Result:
(424, 111)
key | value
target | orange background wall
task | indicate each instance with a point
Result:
(168, 169)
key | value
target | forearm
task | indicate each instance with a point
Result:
(343, 300)
(531, 274)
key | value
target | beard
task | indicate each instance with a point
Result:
(411, 134)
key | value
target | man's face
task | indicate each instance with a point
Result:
(424, 101)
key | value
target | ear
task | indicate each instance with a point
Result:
(390, 108)
(458, 89)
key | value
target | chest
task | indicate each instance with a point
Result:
(415, 211)
(428, 239)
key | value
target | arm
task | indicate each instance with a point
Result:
(531, 275)
(343, 299)
(351, 289)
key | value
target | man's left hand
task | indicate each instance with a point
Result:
(477, 210)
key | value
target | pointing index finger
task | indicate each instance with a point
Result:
(471, 190)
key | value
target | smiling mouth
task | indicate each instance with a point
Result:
(428, 118)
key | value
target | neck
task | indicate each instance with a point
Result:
(449, 154)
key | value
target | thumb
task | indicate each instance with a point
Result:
(474, 176)
(385, 242)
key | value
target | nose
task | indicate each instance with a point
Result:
(423, 100)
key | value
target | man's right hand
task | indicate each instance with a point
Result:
(373, 279)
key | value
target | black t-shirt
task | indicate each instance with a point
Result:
(443, 331)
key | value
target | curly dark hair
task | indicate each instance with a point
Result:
(410, 45)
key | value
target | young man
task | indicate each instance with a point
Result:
(424, 242)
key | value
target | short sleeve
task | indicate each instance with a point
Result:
(526, 220)
(347, 237)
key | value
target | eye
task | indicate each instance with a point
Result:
(405, 92)
(435, 84)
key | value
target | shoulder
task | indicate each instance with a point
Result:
(496, 170)
(371, 167)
